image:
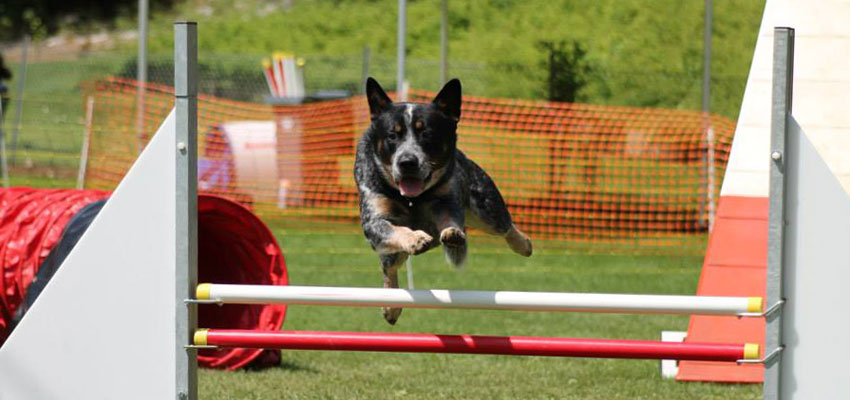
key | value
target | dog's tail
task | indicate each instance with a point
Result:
(519, 242)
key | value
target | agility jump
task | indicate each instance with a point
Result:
(779, 285)
(106, 324)
(475, 299)
(472, 344)
(467, 344)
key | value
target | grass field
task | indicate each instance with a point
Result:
(40, 181)
(345, 259)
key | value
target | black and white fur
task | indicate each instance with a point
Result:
(415, 185)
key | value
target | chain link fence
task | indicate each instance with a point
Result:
(45, 122)
(45, 114)
(584, 173)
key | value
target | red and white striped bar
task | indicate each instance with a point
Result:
(468, 299)
(468, 344)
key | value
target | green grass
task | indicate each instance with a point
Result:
(346, 259)
(40, 181)
(52, 117)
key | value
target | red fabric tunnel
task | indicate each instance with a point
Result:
(234, 246)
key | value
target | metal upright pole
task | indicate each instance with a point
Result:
(402, 22)
(84, 151)
(19, 102)
(142, 72)
(367, 59)
(706, 58)
(711, 181)
(707, 203)
(444, 41)
(142, 62)
(783, 78)
(4, 165)
(186, 113)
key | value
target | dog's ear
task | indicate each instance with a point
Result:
(449, 98)
(378, 99)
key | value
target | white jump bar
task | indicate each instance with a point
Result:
(469, 299)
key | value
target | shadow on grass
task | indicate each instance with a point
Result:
(295, 367)
(271, 360)
(284, 365)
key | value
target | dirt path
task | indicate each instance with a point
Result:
(66, 46)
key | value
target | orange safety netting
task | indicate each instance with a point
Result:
(567, 171)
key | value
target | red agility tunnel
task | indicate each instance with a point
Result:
(38, 227)
(31, 224)
(468, 344)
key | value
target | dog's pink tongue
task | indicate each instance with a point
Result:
(410, 187)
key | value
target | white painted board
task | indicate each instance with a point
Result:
(816, 325)
(91, 334)
(821, 92)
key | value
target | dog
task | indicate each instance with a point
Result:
(418, 190)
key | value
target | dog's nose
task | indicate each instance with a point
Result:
(408, 163)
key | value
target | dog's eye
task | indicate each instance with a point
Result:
(397, 128)
(418, 124)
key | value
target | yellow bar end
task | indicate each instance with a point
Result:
(751, 351)
(200, 338)
(754, 304)
(202, 292)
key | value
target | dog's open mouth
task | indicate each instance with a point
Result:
(412, 186)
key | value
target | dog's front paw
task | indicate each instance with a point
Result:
(454, 246)
(416, 242)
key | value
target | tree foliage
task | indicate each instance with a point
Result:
(44, 17)
(568, 69)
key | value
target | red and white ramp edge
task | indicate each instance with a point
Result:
(736, 257)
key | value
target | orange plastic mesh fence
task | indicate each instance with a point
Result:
(567, 171)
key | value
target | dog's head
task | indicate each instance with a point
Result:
(414, 143)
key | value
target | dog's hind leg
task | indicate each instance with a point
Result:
(488, 212)
(518, 241)
(390, 263)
